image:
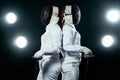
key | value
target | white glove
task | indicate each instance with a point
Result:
(68, 9)
(68, 15)
(38, 54)
(86, 52)
(55, 11)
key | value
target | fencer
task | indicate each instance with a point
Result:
(72, 49)
(50, 64)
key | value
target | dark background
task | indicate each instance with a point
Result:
(17, 64)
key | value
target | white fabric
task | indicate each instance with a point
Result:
(55, 11)
(51, 40)
(50, 65)
(71, 38)
(69, 20)
(71, 51)
(86, 50)
(49, 69)
(68, 9)
(70, 71)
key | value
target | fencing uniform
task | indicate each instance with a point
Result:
(50, 65)
(72, 48)
(71, 51)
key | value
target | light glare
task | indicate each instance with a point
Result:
(21, 42)
(107, 41)
(11, 18)
(113, 15)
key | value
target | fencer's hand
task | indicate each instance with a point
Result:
(38, 55)
(87, 53)
(55, 11)
(33, 58)
(68, 9)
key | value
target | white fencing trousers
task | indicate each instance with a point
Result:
(49, 69)
(70, 71)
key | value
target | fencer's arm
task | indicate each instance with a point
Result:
(56, 36)
(67, 40)
(54, 18)
(55, 33)
(38, 54)
(68, 46)
(86, 52)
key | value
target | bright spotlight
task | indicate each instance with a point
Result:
(21, 42)
(113, 15)
(107, 41)
(11, 18)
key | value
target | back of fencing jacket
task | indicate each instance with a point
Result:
(51, 40)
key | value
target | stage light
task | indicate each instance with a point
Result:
(107, 41)
(113, 16)
(11, 18)
(21, 42)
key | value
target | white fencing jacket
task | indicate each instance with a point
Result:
(51, 40)
(71, 42)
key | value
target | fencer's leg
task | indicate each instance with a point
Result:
(75, 71)
(70, 71)
(40, 74)
(40, 77)
(52, 69)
